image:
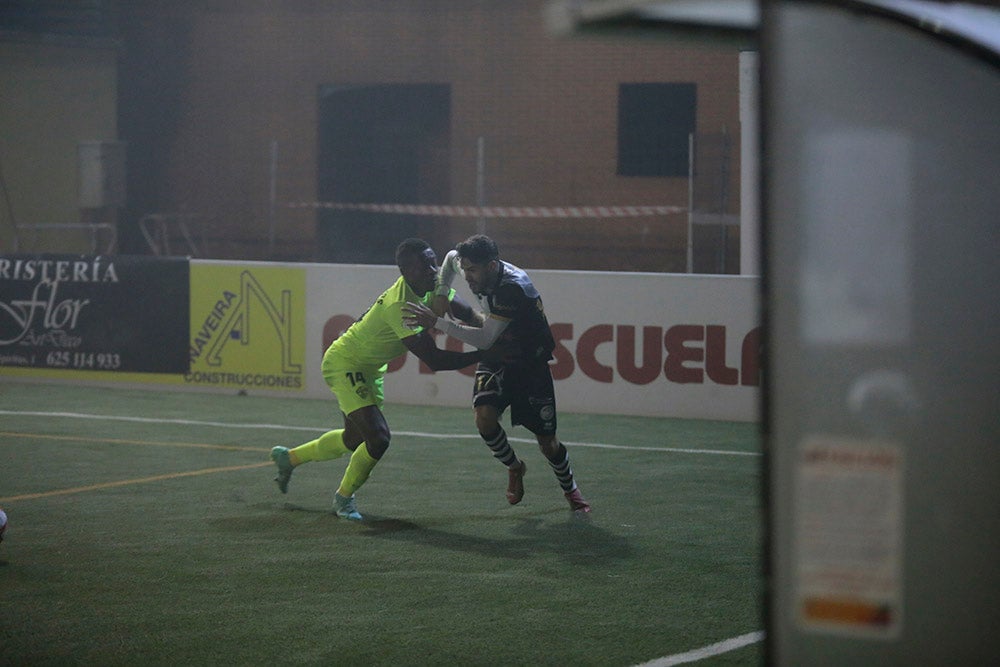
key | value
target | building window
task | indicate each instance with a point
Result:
(654, 122)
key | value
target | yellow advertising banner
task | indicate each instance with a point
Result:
(247, 327)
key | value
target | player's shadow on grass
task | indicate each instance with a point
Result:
(578, 541)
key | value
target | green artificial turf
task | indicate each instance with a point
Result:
(157, 540)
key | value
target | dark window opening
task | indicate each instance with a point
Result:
(654, 123)
(380, 144)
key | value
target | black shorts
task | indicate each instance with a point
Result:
(527, 390)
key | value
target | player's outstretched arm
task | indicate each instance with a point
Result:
(423, 346)
(417, 314)
(460, 309)
(440, 305)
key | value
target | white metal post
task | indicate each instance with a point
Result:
(481, 181)
(690, 216)
(273, 199)
(749, 165)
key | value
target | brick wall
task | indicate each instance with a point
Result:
(246, 74)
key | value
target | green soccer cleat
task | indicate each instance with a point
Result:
(280, 457)
(346, 508)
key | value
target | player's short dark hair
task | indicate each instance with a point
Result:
(409, 248)
(478, 249)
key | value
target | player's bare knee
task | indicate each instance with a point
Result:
(487, 421)
(377, 449)
(548, 444)
(487, 425)
(378, 443)
(353, 439)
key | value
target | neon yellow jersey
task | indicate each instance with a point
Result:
(377, 337)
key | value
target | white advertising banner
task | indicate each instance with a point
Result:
(663, 345)
(659, 345)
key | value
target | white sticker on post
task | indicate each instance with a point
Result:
(855, 286)
(848, 536)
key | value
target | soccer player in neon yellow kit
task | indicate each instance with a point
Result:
(354, 366)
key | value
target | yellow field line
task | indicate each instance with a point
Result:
(116, 441)
(126, 482)
(141, 480)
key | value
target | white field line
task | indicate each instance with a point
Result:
(709, 651)
(414, 434)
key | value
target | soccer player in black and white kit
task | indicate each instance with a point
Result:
(513, 314)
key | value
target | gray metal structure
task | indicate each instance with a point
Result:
(880, 194)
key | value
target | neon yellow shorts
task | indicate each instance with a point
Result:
(355, 387)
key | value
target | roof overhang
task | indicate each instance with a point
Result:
(975, 24)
